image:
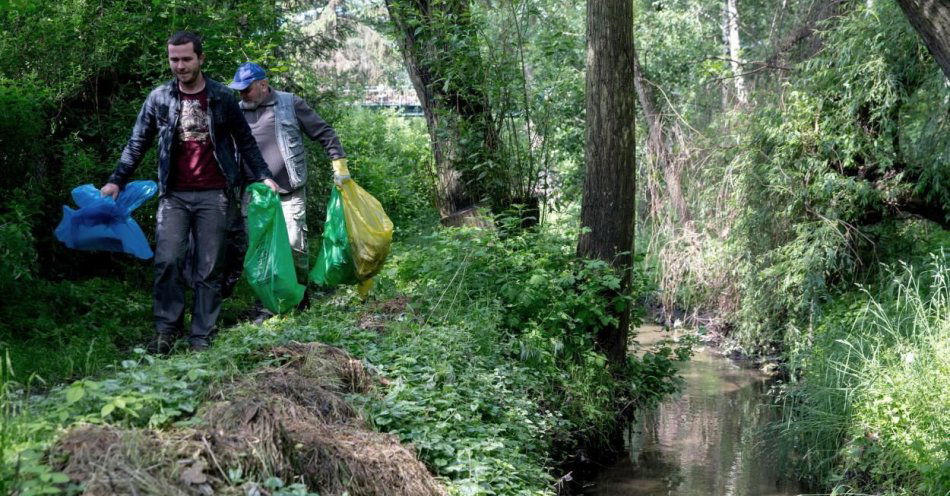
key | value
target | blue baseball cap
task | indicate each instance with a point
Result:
(246, 74)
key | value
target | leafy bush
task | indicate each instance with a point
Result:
(389, 156)
(17, 254)
(90, 324)
(23, 132)
(492, 387)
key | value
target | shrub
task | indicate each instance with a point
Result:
(388, 156)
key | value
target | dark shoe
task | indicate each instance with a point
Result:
(262, 315)
(199, 345)
(161, 344)
(304, 302)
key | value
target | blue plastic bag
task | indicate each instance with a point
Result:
(102, 223)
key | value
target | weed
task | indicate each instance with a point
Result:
(492, 375)
(872, 407)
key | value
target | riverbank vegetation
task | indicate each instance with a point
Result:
(488, 370)
(792, 196)
(796, 197)
(476, 352)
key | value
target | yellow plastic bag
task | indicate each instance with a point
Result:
(369, 230)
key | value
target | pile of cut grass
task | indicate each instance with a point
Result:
(287, 420)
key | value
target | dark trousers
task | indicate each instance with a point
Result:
(201, 216)
(235, 247)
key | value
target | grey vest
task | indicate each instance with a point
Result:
(290, 140)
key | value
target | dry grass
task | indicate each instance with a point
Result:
(111, 461)
(289, 421)
(350, 459)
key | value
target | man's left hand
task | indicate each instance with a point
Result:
(271, 184)
(341, 173)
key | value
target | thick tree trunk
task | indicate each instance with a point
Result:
(459, 120)
(931, 19)
(607, 210)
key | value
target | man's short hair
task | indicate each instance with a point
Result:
(184, 38)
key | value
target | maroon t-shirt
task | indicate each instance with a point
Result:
(194, 166)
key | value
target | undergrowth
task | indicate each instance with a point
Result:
(491, 370)
(872, 408)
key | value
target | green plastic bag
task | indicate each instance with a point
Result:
(269, 263)
(334, 263)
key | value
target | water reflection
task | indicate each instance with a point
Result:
(709, 440)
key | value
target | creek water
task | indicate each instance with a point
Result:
(708, 440)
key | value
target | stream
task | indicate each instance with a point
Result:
(707, 440)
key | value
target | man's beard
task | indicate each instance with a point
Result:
(188, 77)
(253, 104)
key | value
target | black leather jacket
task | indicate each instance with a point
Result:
(229, 134)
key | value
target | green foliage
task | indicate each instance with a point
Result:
(90, 323)
(797, 197)
(871, 408)
(494, 374)
(22, 132)
(17, 254)
(510, 377)
(492, 388)
(73, 76)
(829, 158)
(847, 146)
(389, 157)
(535, 87)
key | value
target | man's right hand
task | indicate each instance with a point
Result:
(110, 189)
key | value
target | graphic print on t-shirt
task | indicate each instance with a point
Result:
(195, 167)
(193, 125)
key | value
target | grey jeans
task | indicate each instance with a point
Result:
(201, 216)
(294, 206)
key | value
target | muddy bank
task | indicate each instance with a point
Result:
(288, 419)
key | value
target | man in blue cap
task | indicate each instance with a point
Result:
(199, 129)
(278, 121)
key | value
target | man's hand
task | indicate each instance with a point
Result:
(271, 184)
(340, 173)
(110, 189)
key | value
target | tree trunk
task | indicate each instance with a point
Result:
(731, 30)
(607, 210)
(931, 20)
(658, 148)
(461, 128)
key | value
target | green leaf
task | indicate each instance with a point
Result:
(59, 478)
(106, 410)
(75, 393)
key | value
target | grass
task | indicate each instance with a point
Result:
(484, 342)
(91, 324)
(872, 408)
